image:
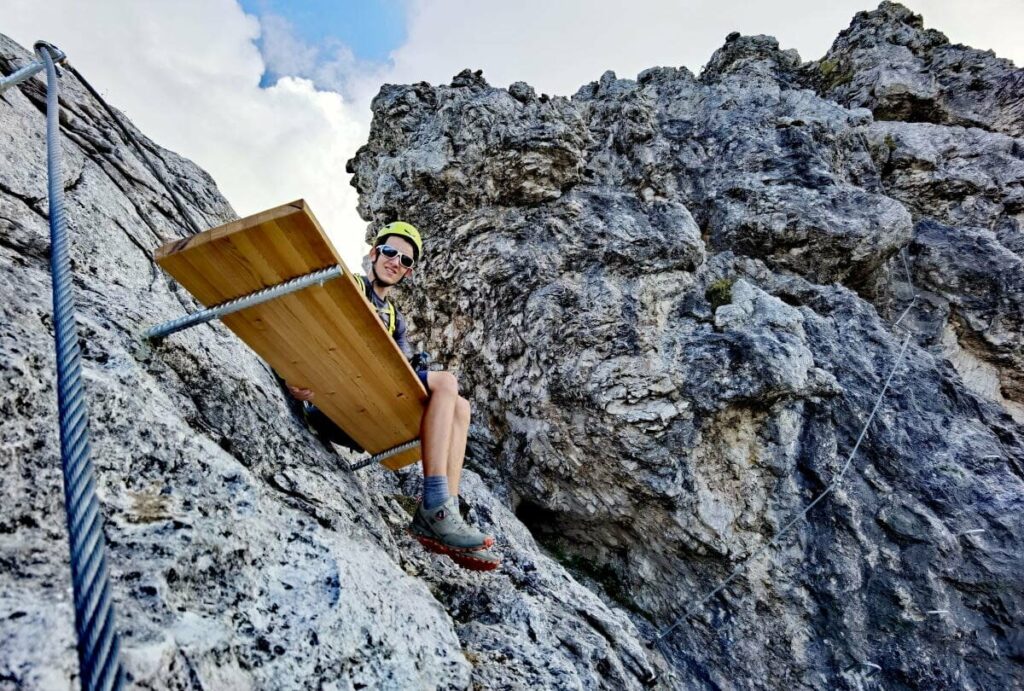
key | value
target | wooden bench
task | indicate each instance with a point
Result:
(325, 337)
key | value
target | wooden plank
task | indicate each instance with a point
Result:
(240, 225)
(327, 338)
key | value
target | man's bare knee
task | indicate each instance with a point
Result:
(443, 383)
(463, 411)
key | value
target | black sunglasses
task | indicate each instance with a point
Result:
(390, 252)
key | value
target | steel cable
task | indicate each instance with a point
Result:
(745, 562)
(98, 643)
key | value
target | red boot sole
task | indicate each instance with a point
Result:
(473, 564)
(440, 548)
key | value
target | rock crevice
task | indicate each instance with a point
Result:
(671, 301)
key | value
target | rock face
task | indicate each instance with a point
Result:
(888, 62)
(965, 189)
(675, 312)
(672, 301)
(241, 555)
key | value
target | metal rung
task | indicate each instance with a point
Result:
(231, 306)
(388, 453)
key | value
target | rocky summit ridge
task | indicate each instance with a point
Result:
(672, 301)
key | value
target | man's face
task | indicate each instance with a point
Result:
(390, 271)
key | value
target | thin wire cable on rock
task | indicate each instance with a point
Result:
(693, 609)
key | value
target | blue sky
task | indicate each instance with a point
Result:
(371, 29)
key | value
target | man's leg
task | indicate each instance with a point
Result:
(445, 429)
(478, 560)
(443, 435)
(438, 423)
(457, 449)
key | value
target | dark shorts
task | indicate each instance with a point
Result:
(422, 374)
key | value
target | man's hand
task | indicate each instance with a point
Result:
(300, 394)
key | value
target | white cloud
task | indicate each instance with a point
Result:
(330, 65)
(187, 73)
(557, 46)
(283, 52)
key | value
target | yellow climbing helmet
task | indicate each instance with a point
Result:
(402, 229)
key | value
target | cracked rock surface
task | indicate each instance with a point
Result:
(673, 348)
(672, 301)
(241, 554)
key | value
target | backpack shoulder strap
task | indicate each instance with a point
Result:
(392, 317)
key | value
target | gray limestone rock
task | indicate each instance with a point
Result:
(979, 284)
(965, 190)
(887, 61)
(765, 167)
(954, 175)
(242, 554)
(487, 158)
(674, 356)
(673, 303)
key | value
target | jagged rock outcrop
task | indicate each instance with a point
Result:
(965, 189)
(674, 340)
(672, 303)
(241, 555)
(888, 62)
(967, 176)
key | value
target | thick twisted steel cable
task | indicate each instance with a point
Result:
(774, 542)
(98, 645)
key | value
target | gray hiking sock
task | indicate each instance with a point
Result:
(435, 491)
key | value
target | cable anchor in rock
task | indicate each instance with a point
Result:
(26, 72)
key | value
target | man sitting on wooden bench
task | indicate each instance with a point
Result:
(437, 523)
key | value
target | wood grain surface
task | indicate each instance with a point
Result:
(327, 338)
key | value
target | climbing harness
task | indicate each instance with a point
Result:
(98, 641)
(388, 311)
(774, 542)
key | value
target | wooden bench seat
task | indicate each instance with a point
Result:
(327, 337)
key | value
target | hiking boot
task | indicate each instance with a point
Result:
(443, 530)
(477, 560)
